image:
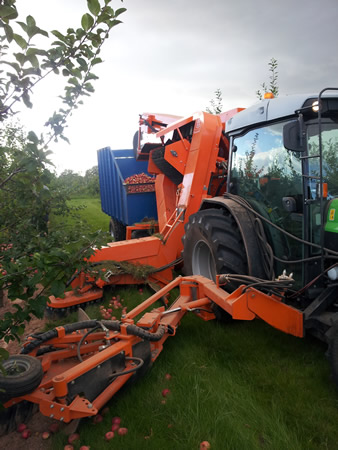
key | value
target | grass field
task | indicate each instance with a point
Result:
(240, 385)
(89, 209)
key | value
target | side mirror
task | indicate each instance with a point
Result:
(292, 138)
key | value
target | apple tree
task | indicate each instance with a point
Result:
(37, 258)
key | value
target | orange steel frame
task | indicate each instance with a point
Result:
(197, 161)
(62, 368)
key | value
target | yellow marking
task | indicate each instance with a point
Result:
(332, 214)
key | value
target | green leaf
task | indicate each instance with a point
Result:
(94, 6)
(113, 23)
(20, 57)
(8, 12)
(120, 11)
(59, 35)
(58, 288)
(96, 61)
(9, 33)
(26, 100)
(77, 73)
(34, 61)
(38, 30)
(30, 21)
(36, 51)
(23, 25)
(14, 65)
(33, 137)
(74, 81)
(89, 87)
(20, 41)
(87, 21)
(91, 76)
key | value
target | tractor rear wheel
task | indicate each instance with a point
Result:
(23, 374)
(213, 245)
(117, 230)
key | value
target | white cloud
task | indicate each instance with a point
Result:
(170, 57)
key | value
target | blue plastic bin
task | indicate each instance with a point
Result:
(129, 208)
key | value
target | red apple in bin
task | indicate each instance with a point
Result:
(139, 183)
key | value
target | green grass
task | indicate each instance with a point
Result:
(241, 385)
(90, 211)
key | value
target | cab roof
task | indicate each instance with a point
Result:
(271, 109)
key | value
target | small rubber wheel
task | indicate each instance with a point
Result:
(23, 374)
(117, 230)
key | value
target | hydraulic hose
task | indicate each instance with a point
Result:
(112, 325)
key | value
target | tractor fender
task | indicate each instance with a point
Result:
(246, 225)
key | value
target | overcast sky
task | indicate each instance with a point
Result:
(170, 56)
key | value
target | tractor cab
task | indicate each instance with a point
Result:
(284, 164)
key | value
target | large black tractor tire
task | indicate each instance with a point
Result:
(23, 374)
(117, 230)
(158, 158)
(213, 245)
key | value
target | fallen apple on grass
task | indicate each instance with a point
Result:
(73, 437)
(97, 419)
(109, 435)
(116, 420)
(54, 427)
(21, 427)
(26, 433)
(165, 392)
(205, 445)
(122, 431)
(45, 435)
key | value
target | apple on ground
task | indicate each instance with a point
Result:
(116, 420)
(26, 433)
(165, 392)
(73, 437)
(109, 435)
